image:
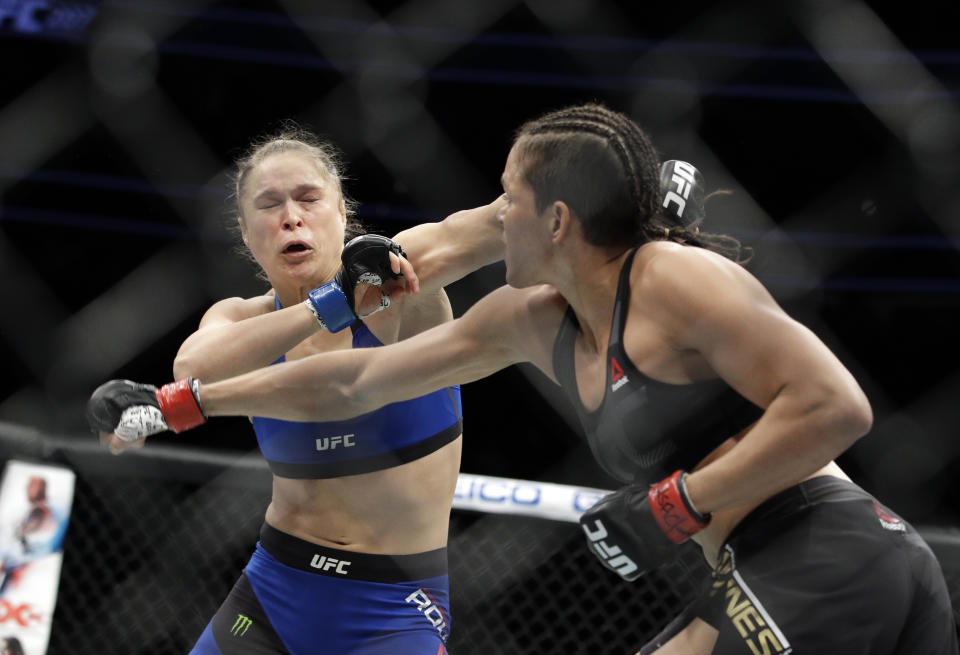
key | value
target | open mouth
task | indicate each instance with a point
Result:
(295, 247)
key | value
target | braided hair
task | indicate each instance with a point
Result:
(606, 169)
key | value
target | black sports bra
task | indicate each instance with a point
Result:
(645, 429)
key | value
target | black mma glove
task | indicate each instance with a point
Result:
(636, 528)
(365, 259)
(682, 186)
(133, 411)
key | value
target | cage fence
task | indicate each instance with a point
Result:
(149, 116)
(157, 540)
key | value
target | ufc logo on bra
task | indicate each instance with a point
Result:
(329, 443)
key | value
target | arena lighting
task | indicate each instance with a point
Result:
(42, 18)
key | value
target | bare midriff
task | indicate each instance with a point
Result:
(397, 511)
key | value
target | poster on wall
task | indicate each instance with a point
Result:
(35, 502)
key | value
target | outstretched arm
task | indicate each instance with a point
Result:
(507, 326)
(342, 384)
(445, 251)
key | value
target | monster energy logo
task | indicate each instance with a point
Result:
(241, 625)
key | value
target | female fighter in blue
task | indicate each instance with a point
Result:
(352, 553)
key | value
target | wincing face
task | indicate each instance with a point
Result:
(293, 218)
(526, 233)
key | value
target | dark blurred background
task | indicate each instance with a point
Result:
(835, 125)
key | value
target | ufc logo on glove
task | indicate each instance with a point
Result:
(611, 554)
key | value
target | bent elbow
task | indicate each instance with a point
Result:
(861, 416)
(186, 367)
(183, 368)
(853, 418)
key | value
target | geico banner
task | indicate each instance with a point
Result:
(35, 502)
(545, 500)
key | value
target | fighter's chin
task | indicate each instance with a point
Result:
(303, 272)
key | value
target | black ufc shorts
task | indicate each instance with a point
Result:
(822, 569)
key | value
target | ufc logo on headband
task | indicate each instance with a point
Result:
(683, 175)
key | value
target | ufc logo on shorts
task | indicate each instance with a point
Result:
(325, 563)
(610, 553)
(683, 178)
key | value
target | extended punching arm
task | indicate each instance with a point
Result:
(133, 411)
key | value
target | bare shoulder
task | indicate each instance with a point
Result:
(666, 274)
(232, 310)
(694, 295)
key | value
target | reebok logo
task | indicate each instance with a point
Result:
(617, 375)
(683, 178)
(887, 520)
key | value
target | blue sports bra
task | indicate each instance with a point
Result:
(392, 435)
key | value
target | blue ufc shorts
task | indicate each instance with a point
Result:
(298, 598)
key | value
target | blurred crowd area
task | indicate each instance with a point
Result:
(834, 125)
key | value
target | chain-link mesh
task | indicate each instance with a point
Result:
(155, 544)
(157, 539)
(147, 561)
(523, 585)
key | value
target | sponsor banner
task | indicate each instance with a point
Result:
(35, 502)
(546, 500)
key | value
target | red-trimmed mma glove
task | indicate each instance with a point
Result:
(636, 529)
(683, 191)
(133, 411)
(365, 259)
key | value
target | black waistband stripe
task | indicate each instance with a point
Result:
(821, 489)
(310, 557)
